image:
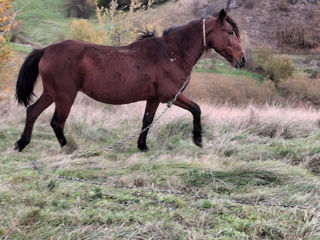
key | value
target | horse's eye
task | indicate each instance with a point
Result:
(231, 32)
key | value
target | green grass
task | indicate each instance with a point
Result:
(207, 190)
(43, 21)
(220, 67)
(21, 48)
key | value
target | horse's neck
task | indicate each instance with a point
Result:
(186, 44)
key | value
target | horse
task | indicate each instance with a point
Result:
(150, 69)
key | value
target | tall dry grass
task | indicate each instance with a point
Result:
(214, 115)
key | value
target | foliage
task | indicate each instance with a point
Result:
(82, 30)
(80, 8)
(116, 27)
(273, 66)
(43, 21)
(6, 24)
(299, 36)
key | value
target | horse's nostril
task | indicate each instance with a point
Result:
(243, 60)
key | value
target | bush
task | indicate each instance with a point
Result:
(272, 66)
(5, 53)
(122, 25)
(6, 24)
(301, 88)
(80, 8)
(82, 30)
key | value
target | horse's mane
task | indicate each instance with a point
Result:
(234, 26)
(146, 34)
(228, 19)
(172, 29)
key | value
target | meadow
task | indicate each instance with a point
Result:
(256, 177)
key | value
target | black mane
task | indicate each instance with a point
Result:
(228, 19)
(234, 26)
(147, 34)
(171, 29)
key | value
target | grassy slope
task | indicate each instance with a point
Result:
(43, 21)
(252, 155)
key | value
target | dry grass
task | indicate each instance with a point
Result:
(241, 161)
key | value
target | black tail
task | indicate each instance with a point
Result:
(28, 75)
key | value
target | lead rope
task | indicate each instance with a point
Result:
(169, 104)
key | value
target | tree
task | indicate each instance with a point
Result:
(6, 23)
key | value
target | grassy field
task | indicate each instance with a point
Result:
(255, 178)
(43, 21)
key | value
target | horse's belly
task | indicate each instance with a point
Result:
(115, 93)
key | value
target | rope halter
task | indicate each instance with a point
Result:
(204, 32)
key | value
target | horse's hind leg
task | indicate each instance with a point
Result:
(149, 113)
(61, 113)
(33, 113)
(194, 108)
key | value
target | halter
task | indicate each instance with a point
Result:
(204, 32)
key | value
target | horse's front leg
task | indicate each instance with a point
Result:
(151, 108)
(185, 103)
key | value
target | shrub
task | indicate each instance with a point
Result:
(273, 66)
(80, 8)
(5, 53)
(82, 30)
(301, 33)
(6, 24)
(121, 25)
(301, 88)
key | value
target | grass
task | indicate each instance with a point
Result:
(221, 68)
(207, 190)
(22, 48)
(43, 21)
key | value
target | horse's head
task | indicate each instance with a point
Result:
(224, 38)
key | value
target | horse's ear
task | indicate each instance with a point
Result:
(222, 15)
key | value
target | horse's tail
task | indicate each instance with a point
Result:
(28, 75)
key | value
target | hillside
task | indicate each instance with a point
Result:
(281, 24)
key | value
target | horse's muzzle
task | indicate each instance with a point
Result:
(240, 64)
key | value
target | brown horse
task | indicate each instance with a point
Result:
(151, 68)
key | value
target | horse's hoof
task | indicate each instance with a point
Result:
(62, 141)
(143, 147)
(198, 142)
(19, 145)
